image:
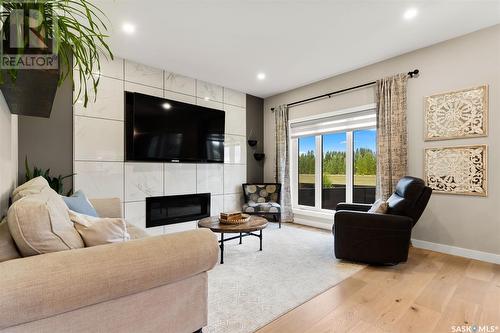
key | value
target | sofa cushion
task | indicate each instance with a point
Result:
(261, 207)
(99, 230)
(8, 248)
(79, 203)
(136, 232)
(39, 221)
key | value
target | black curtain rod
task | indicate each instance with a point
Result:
(411, 74)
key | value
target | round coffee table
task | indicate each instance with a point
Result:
(256, 223)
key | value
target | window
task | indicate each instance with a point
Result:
(334, 169)
(365, 165)
(307, 162)
(335, 159)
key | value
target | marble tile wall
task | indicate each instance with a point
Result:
(100, 169)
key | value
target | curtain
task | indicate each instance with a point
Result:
(283, 161)
(392, 138)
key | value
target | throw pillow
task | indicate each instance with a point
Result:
(8, 248)
(98, 231)
(39, 221)
(380, 207)
(79, 203)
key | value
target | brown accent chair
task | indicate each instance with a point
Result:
(380, 238)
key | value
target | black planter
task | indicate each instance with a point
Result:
(33, 92)
(259, 156)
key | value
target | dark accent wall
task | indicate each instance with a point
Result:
(255, 131)
(48, 142)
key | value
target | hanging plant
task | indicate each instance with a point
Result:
(76, 28)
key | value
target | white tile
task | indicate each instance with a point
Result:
(180, 84)
(109, 101)
(234, 176)
(134, 87)
(206, 90)
(210, 178)
(180, 178)
(98, 139)
(135, 213)
(143, 180)
(111, 68)
(235, 120)
(180, 97)
(216, 205)
(234, 97)
(99, 179)
(179, 227)
(209, 104)
(233, 202)
(235, 149)
(143, 74)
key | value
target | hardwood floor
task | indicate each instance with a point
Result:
(430, 293)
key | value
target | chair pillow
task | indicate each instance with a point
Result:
(79, 203)
(8, 248)
(99, 231)
(380, 207)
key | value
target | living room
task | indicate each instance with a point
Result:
(180, 168)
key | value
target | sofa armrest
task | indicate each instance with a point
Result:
(353, 207)
(109, 207)
(46, 285)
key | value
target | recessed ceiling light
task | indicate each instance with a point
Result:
(166, 106)
(261, 76)
(128, 28)
(206, 98)
(410, 13)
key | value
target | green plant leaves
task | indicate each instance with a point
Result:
(79, 31)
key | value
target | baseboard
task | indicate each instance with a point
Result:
(314, 224)
(457, 251)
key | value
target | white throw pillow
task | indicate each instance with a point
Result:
(380, 207)
(99, 230)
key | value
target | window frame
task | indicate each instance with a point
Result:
(294, 158)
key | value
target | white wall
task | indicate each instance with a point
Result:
(8, 155)
(471, 60)
(99, 144)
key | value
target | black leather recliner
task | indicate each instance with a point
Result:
(380, 238)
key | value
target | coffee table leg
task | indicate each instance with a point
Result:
(260, 237)
(240, 238)
(222, 248)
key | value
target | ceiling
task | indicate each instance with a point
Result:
(293, 42)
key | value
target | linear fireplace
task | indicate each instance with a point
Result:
(176, 209)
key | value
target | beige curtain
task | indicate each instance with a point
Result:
(283, 161)
(392, 138)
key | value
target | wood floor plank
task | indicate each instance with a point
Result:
(429, 293)
(299, 319)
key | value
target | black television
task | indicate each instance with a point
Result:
(163, 130)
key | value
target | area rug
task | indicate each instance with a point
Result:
(253, 288)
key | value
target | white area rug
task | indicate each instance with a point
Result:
(253, 288)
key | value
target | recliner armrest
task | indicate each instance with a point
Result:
(372, 220)
(353, 207)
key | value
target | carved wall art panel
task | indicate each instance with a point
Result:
(457, 170)
(457, 114)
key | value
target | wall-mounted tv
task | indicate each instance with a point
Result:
(163, 130)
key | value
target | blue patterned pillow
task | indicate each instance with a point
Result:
(79, 203)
